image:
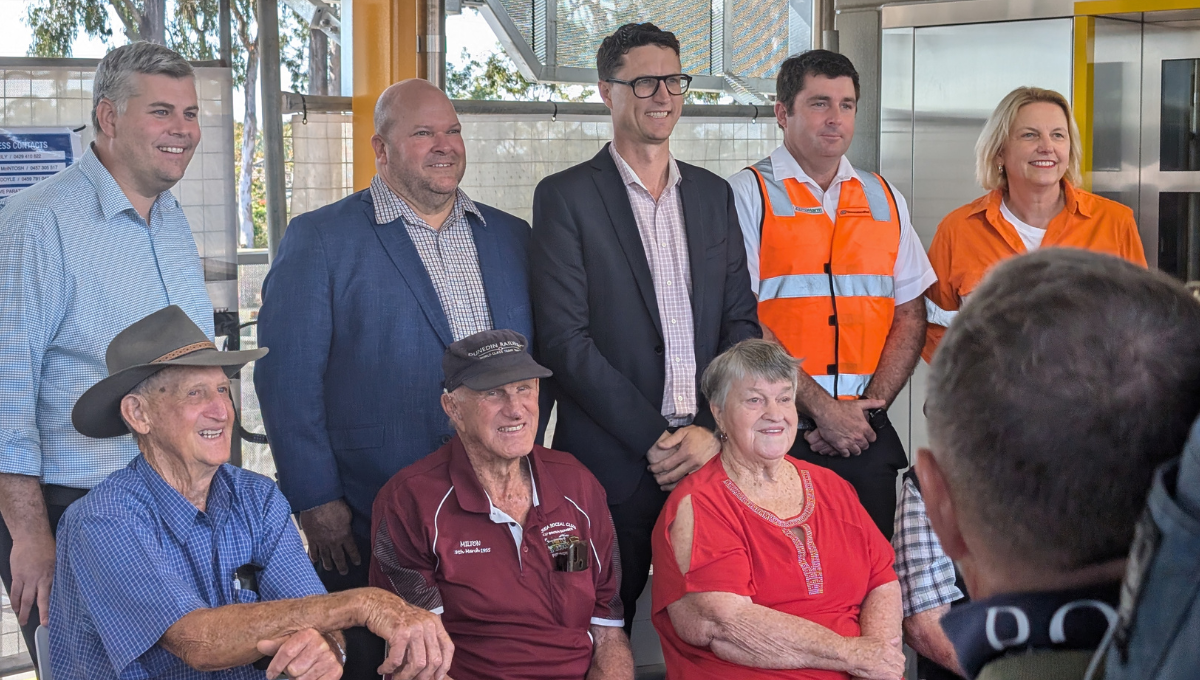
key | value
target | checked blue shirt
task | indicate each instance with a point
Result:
(134, 557)
(77, 266)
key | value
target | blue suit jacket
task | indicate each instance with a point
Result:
(350, 390)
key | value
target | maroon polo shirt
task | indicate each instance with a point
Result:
(440, 544)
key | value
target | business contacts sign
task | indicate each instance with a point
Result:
(29, 155)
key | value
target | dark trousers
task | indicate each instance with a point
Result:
(58, 498)
(634, 520)
(364, 650)
(872, 473)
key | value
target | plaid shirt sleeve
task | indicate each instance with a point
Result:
(926, 573)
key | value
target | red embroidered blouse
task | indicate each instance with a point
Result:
(819, 565)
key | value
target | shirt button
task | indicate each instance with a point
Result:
(525, 549)
(679, 398)
(668, 284)
(676, 359)
(672, 320)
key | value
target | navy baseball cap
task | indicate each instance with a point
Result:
(490, 359)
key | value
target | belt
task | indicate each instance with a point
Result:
(61, 495)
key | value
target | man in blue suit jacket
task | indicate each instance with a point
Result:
(358, 308)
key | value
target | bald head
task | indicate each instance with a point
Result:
(406, 99)
(418, 145)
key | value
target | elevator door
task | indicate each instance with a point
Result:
(1169, 200)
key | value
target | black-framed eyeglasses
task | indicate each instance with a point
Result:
(646, 87)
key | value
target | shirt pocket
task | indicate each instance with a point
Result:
(245, 596)
(574, 598)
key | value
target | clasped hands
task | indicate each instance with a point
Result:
(842, 427)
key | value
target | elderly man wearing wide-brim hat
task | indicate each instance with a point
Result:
(179, 564)
(511, 543)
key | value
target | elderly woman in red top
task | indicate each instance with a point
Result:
(766, 566)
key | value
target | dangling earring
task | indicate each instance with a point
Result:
(1000, 167)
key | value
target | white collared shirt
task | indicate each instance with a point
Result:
(913, 273)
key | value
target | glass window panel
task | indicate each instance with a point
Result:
(1178, 147)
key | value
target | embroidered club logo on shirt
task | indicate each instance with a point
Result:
(558, 537)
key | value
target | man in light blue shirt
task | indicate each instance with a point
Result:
(83, 255)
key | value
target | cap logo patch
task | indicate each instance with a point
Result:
(496, 348)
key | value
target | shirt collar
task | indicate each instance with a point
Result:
(470, 493)
(990, 202)
(113, 200)
(786, 166)
(383, 197)
(177, 512)
(985, 630)
(628, 176)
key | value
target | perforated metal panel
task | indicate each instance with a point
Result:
(582, 24)
(758, 31)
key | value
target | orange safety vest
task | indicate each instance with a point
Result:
(826, 290)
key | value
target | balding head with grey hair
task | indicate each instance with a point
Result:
(114, 76)
(1061, 385)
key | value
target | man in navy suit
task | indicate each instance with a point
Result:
(639, 281)
(358, 308)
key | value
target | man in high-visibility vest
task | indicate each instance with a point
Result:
(839, 273)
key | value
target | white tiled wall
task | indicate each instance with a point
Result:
(322, 170)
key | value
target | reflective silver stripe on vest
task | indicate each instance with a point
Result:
(877, 199)
(817, 285)
(777, 195)
(848, 384)
(781, 202)
(937, 315)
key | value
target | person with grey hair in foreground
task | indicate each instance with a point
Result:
(84, 254)
(1059, 388)
(179, 564)
(766, 566)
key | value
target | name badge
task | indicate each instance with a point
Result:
(809, 211)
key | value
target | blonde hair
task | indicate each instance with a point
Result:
(999, 124)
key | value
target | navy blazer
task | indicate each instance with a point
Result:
(597, 315)
(350, 390)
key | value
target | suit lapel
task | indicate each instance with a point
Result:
(490, 270)
(400, 248)
(694, 225)
(620, 213)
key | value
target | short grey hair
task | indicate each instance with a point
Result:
(114, 80)
(747, 359)
(1061, 385)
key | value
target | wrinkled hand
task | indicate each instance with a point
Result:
(418, 645)
(327, 528)
(875, 659)
(32, 574)
(842, 428)
(678, 454)
(303, 655)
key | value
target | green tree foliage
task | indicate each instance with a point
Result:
(56, 24)
(498, 78)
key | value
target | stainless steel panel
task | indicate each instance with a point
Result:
(917, 14)
(1163, 42)
(960, 74)
(896, 103)
(1117, 111)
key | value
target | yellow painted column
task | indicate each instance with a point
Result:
(385, 51)
(1084, 91)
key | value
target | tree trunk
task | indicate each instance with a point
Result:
(153, 22)
(335, 70)
(318, 62)
(249, 138)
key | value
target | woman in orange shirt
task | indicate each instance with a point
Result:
(1028, 157)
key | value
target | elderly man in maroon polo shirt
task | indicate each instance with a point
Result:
(511, 543)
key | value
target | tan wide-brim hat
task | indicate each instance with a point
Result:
(165, 338)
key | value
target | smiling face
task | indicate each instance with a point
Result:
(821, 122)
(759, 418)
(184, 416)
(1037, 150)
(500, 422)
(154, 139)
(644, 121)
(421, 153)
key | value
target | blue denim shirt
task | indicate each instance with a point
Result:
(135, 556)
